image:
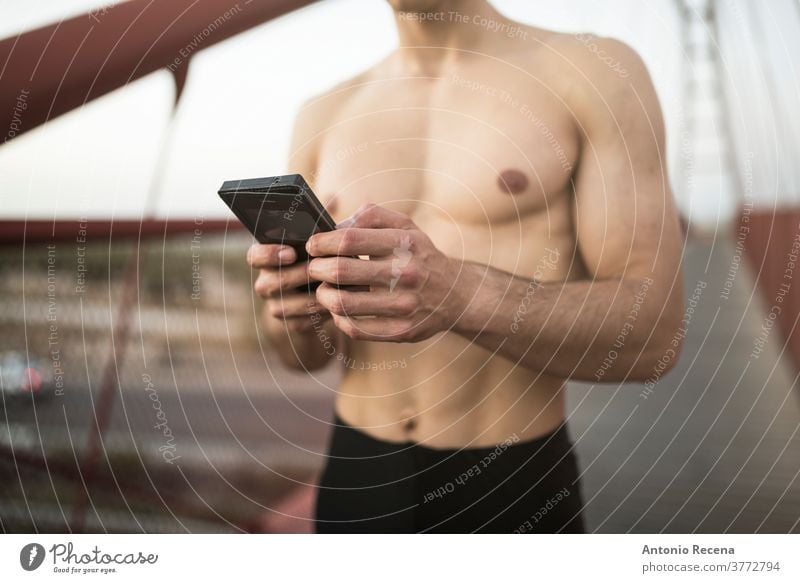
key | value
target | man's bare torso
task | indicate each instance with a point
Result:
(480, 155)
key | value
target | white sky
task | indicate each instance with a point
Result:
(99, 161)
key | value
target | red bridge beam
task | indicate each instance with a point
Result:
(52, 70)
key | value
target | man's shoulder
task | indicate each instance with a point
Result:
(318, 113)
(604, 65)
(323, 106)
(584, 55)
(593, 73)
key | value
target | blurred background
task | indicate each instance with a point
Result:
(137, 392)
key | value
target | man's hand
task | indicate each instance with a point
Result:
(410, 281)
(279, 283)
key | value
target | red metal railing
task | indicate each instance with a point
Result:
(17, 232)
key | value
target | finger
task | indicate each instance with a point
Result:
(356, 241)
(372, 216)
(350, 271)
(275, 282)
(260, 256)
(375, 329)
(294, 305)
(348, 303)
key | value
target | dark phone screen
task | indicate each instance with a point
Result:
(283, 225)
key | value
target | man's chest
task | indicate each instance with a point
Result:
(472, 148)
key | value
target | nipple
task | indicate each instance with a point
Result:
(512, 181)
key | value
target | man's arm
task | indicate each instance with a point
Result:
(614, 325)
(620, 322)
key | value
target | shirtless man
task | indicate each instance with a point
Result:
(508, 185)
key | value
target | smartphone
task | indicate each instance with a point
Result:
(278, 209)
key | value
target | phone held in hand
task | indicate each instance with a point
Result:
(278, 210)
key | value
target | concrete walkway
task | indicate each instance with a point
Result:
(714, 445)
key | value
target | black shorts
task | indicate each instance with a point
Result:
(375, 486)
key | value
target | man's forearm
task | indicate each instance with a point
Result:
(600, 330)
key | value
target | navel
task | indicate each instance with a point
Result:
(512, 181)
(410, 423)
